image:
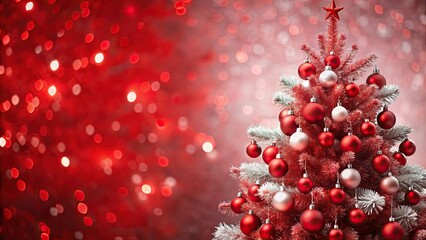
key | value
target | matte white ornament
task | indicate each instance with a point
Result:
(389, 184)
(350, 177)
(299, 140)
(339, 113)
(328, 78)
(282, 201)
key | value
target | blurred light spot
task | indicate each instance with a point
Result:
(65, 161)
(29, 163)
(44, 236)
(29, 6)
(155, 86)
(90, 129)
(163, 161)
(131, 96)
(21, 185)
(99, 57)
(105, 45)
(207, 147)
(378, 9)
(89, 37)
(44, 195)
(152, 108)
(111, 218)
(52, 90)
(166, 191)
(165, 76)
(117, 154)
(76, 89)
(136, 179)
(82, 208)
(79, 195)
(2, 142)
(14, 172)
(134, 58)
(54, 65)
(115, 126)
(158, 211)
(138, 108)
(161, 123)
(190, 148)
(247, 110)
(88, 221)
(15, 100)
(53, 211)
(61, 147)
(146, 189)
(78, 235)
(241, 56)
(60, 208)
(256, 70)
(293, 30)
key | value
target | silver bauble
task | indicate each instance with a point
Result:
(350, 178)
(328, 78)
(339, 114)
(389, 185)
(299, 140)
(282, 201)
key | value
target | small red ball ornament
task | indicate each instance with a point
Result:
(288, 123)
(313, 112)
(250, 223)
(386, 119)
(278, 167)
(267, 231)
(270, 153)
(253, 150)
(326, 138)
(337, 195)
(412, 197)
(408, 147)
(400, 157)
(356, 216)
(237, 202)
(305, 184)
(350, 143)
(352, 90)
(380, 163)
(376, 78)
(332, 60)
(283, 113)
(312, 220)
(336, 233)
(252, 192)
(393, 231)
(306, 70)
(368, 128)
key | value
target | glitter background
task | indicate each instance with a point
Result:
(120, 119)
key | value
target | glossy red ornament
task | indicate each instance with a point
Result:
(393, 231)
(332, 60)
(386, 119)
(312, 220)
(350, 143)
(278, 167)
(352, 90)
(288, 123)
(267, 231)
(380, 163)
(337, 195)
(407, 147)
(336, 234)
(400, 157)
(269, 153)
(283, 113)
(356, 216)
(250, 223)
(253, 150)
(305, 184)
(237, 202)
(306, 70)
(326, 138)
(376, 78)
(313, 112)
(368, 128)
(253, 191)
(412, 196)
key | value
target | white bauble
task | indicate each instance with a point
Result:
(389, 185)
(299, 140)
(339, 114)
(282, 201)
(328, 78)
(350, 178)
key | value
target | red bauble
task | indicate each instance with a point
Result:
(386, 119)
(236, 204)
(278, 167)
(356, 216)
(368, 128)
(350, 143)
(332, 60)
(305, 184)
(283, 113)
(376, 78)
(380, 163)
(336, 234)
(306, 70)
(352, 90)
(312, 220)
(393, 231)
(407, 147)
(267, 231)
(250, 223)
(253, 150)
(412, 197)
(313, 112)
(326, 138)
(337, 195)
(253, 191)
(269, 153)
(288, 124)
(400, 157)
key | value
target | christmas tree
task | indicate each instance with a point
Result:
(337, 166)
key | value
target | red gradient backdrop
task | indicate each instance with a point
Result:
(120, 119)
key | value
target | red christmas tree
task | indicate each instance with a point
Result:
(332, 170)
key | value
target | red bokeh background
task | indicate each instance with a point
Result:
(132, 133)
